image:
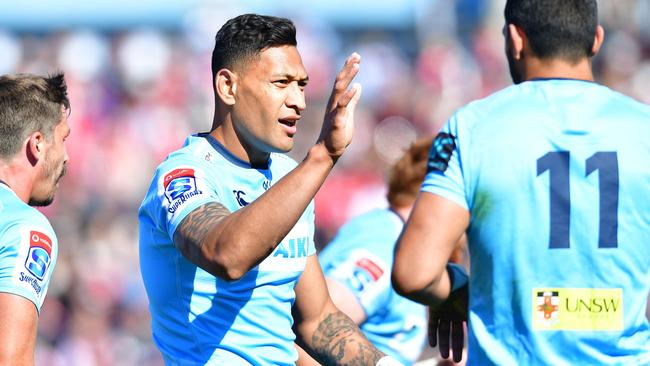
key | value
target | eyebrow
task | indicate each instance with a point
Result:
(290, 77)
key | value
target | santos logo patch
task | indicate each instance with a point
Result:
(39, 255)
(583, 309)
(180, 185)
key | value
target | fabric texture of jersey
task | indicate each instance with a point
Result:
(197, 318)
(555, 175)
(28, 249)
(360, 258)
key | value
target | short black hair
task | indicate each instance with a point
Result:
(245, 36)
(29, 103)
(556, 28)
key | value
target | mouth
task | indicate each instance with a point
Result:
(289, 126)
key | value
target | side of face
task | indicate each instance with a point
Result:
(51, 164)
(514, 64)
(269, 99)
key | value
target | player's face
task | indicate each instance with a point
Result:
(53, 166)
(270, 97)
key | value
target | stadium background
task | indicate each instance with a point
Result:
(139, 82)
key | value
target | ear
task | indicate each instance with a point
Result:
(517, 40)
(35, 147)
(225, 85)
(599, 38)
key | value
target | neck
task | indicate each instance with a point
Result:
(17, 179)
(536, 68)
(223, 130)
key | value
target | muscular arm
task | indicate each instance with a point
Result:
(229, 244)
(322, 330)
(18, 325)
(423, 250)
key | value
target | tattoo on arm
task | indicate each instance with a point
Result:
(338, 341)
(192, 231)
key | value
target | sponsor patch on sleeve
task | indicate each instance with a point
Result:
(180, 186)
(35, 256)
(578, 309)
(363, 272)
(443, 148)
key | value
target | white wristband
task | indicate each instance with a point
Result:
(457, 276)
(388, 361)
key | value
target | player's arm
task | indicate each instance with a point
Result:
(18, 325)
(322, 330)
(229, 244)
(345, 300)
(424, 247)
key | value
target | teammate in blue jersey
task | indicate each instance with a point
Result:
(357, 265)
(550, 180)
(226, 228)
(33, 128)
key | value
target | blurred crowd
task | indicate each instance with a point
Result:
(137, 93)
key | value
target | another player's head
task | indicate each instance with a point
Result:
(259, 81)
(33, 127)
(406, 175)
(549, 30)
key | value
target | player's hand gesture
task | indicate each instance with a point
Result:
(338, 124)
(446, 324)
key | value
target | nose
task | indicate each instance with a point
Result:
(296, 98)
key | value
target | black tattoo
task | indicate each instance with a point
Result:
(338, 341)
(192, 231)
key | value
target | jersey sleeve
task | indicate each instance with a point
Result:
(365, 274)
(28, 252)
(182, 187)
(445, 165)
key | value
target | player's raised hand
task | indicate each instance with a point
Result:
(338, 124)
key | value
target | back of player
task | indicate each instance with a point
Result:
(555, 175)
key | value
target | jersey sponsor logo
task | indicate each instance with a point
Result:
(292, 248)
(365, 273)
(239, 196)
(39, 255)
(443, 147)
(578, 309)
(291, 253)
(180, 186)
(371, 267)
(32, 282)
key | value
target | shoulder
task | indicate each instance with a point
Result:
(16, 213)
(497, 102)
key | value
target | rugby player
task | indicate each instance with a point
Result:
(549, 178)
(33, 128)
(226, 228)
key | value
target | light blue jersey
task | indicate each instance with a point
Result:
(28, 249)
(197, 318)
(556, 176)
(360, 258)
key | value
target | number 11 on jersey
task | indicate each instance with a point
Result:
(557, 163)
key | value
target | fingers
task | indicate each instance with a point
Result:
(351, 97)
(344, 78)
(443, 338)
(433, 331)
(457, 340)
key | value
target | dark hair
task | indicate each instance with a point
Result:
(29, 103)
(556, 28)
(245, 36)
(406, 175)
